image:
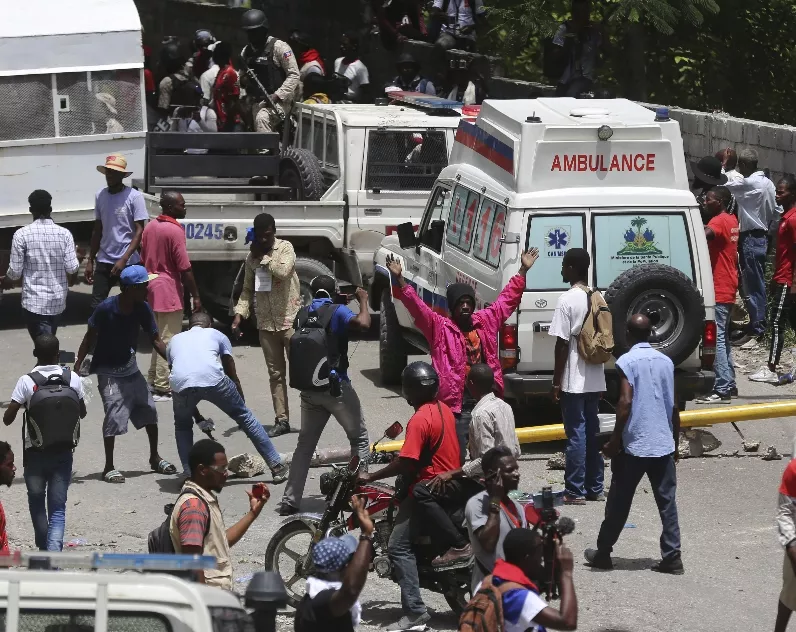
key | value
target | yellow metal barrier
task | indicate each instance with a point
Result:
(688, 419)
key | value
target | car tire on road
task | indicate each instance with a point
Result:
(307, 269)
(654, 287)
(392, 349)
(300, 171)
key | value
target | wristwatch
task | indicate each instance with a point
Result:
(367, 538)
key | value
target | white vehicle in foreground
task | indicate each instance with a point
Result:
(605, 175)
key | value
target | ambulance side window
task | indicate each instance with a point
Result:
(553, 235)
(433, 227)
(488, 231)
(461, 220)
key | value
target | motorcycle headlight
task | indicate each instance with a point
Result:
(328, 483)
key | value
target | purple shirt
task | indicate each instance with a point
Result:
(118, 213)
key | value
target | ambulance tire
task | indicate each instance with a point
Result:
(300, 171)
(392, 349)
(654, 287)
(307, 269)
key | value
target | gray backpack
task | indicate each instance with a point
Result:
(52, 418)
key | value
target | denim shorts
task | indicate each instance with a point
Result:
(126, 399)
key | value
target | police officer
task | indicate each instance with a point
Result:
(274, 64)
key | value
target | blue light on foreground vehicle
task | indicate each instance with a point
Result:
(117, 561)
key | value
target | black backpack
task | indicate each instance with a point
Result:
(159, 540)
(314, 350)
(185, 91)
(52, 418)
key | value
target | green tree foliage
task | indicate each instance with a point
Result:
(736, 56)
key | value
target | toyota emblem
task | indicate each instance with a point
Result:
(541, 303)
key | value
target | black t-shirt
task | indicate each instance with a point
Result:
(118, 333)
(314, 614)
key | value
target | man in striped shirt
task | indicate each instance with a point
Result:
(43, 256)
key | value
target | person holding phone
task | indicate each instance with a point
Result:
(270, 276)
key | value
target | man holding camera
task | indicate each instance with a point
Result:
(338, 399)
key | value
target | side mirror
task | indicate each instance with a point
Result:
(406, 235)
(265, 595)
(394, 431)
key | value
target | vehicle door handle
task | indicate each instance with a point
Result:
(230, 233)
(372, 211)
(540, 328)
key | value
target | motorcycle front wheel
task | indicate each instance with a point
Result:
(288, 554)
(458, 599)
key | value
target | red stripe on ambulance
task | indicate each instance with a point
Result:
(593, 162)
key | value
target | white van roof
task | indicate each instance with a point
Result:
(46, 36)
(541, 147)
(353, 115)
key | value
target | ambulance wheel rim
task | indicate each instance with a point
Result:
(670, 312)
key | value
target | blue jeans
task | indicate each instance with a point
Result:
(402, 556)
(752, 251)
(38, 324)
(725, 371)
(628, 471)
(225, 395)
(47, 477)
(585, 468)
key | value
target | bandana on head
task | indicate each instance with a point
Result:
(333, 554)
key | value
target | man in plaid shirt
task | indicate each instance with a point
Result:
(43, 255)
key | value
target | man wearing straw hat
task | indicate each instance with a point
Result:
(119, 216)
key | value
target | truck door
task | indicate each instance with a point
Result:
(398, 174)
(553, 232)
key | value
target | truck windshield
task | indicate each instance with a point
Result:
(405, 160)
(231, 620)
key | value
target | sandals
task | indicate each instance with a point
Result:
(163, 467)
(113, 476)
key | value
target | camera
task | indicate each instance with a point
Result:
(553, 528)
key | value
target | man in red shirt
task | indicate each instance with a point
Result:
(164, 252)
(7, 472)
(430, 448)
(225, 95)
(722, 235)
(782, 282)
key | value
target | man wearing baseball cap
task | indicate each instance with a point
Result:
(113, 333)
(340, 569)
(119, 216)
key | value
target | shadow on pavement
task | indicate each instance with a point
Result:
(97, 476)
(628, 564)
(78, 310)
(374, 377)
(386, 612)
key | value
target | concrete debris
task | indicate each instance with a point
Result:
(731, 453)
(771, 454)
(246, 465)
(751, 446)
(557, 462)
(696, 442)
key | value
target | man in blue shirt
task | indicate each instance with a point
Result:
(203, 369)
(644, 441)
(318, 406)
(113, 334)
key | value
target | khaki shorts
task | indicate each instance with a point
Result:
(788, 594)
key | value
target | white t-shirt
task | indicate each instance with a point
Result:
(208, 80)
(356, 72)
(579, 376)
(520, 606)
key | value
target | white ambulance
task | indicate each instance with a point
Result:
(605, 175)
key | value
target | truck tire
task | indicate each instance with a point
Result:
(392, 349)
(654, 287)
(307, 269)
(300, 171)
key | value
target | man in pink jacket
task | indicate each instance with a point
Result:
(466, 338)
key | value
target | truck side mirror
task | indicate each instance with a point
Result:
(406, 235)
(265, 595)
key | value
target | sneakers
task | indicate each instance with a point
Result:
(733, 391)
(749, 344)
(280, 473)
(281, 427)
(161, 397)
(670, 566)
(765, 375)
(596, 498)
(284, 510)
(596, 559)
(713, 398)
(453, 556)
(416, 623)
(206, 425)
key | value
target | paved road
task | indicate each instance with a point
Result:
(726, 504)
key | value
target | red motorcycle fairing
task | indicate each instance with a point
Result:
(378, 498)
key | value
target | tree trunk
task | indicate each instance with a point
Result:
(636, 84)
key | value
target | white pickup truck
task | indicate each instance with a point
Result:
(353, 174)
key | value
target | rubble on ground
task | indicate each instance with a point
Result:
(751, 446)
(695, 442)
(771, 454)
(246, 465)
(557, 462)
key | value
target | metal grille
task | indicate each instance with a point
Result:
(75, 106)
(45, 621)
(400, 160)
(124, 86)
(26, 110)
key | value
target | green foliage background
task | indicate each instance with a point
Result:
(734, 56)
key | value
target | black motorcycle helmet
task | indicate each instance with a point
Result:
(420, 383)
(254, 19)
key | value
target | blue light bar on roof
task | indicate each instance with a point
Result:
(424, 101)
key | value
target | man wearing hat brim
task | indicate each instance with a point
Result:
(409, 79)
(707, 172)
(119, 217)
(340, 568)
(465, 338)
(113, 333)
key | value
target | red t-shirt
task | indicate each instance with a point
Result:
(786, 253)
(424, 430)
(164, 252)
(723, 250)
(192, 522)
(226, 86)
(3, 533)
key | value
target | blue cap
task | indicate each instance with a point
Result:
(135, 275)
(333, 554)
